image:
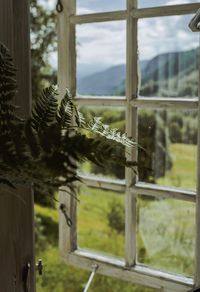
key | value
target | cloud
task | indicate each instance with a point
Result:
(98, 6)
(102, 42)
(165, 34)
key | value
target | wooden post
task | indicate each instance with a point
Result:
(16, 207)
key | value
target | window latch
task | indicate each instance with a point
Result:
(194, 24)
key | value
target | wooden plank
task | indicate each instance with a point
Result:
(165, 10)
(16, 207)
(104, 183)
(66, 49)
(197, 244)
(140, 275)
(167, 103)
(67, 79)
(16, 237)
(157, 191)
(131, 130)
(98, 17)
(67, 234)
(101, 100)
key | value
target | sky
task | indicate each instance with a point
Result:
(105, 43)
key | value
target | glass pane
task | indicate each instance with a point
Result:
(154, 3)
(101, 58)
(169, 56)
(115, 118)
(170, 142)
(94, 6)
(166, 234)
(101, 221)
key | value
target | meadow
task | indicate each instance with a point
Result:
(165, 230)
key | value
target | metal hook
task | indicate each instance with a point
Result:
(63, 209)
(194, 24)
(59, 6)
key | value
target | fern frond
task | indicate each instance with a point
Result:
(44, 110)
(97, 127)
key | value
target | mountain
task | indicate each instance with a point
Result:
(168, 74)
(102, 83)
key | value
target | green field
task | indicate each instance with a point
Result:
(165, 231)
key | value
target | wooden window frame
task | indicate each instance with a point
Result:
(128, 269)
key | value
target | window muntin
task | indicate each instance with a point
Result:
(135, 273)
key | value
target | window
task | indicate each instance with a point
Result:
(158, 103)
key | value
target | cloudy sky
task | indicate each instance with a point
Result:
(104, 44)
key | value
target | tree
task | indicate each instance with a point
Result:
(43, 45)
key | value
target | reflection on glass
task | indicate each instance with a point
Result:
(101, 221)
(101, 58)
(169, 139)
(94, 6)
(115, 118)
(154, 3)
(169, 55)
(166, 234)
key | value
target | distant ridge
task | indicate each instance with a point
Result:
(174, 72)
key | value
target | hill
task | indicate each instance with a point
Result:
(168, 74)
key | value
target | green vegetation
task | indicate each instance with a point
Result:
(160, 244)
(183, 171)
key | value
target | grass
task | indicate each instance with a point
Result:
(165, 232)
(183, 171)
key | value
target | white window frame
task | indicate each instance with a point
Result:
(128, 269)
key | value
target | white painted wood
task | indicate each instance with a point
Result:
(131, 130)
(67, 79)
(98, 17)
(167, 103)
(140, 275)
(67, 235)
(104, 183)
(66, 49)
(101, 100)
(112, 266)
(157, 191)
(165, 10)
(197, 245)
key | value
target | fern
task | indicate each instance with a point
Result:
(44, 110)
(44, 149)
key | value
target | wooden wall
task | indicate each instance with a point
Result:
(16, 207)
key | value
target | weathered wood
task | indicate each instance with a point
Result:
(16, 206)
(67, 234)
(99, 17)
(101, 100)
(168, 103)
(67, 79)
(197, 244)
(157, 191)
(16, 238)
(131, 130)
(140, 275)
(104, 183)
(165, 10)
